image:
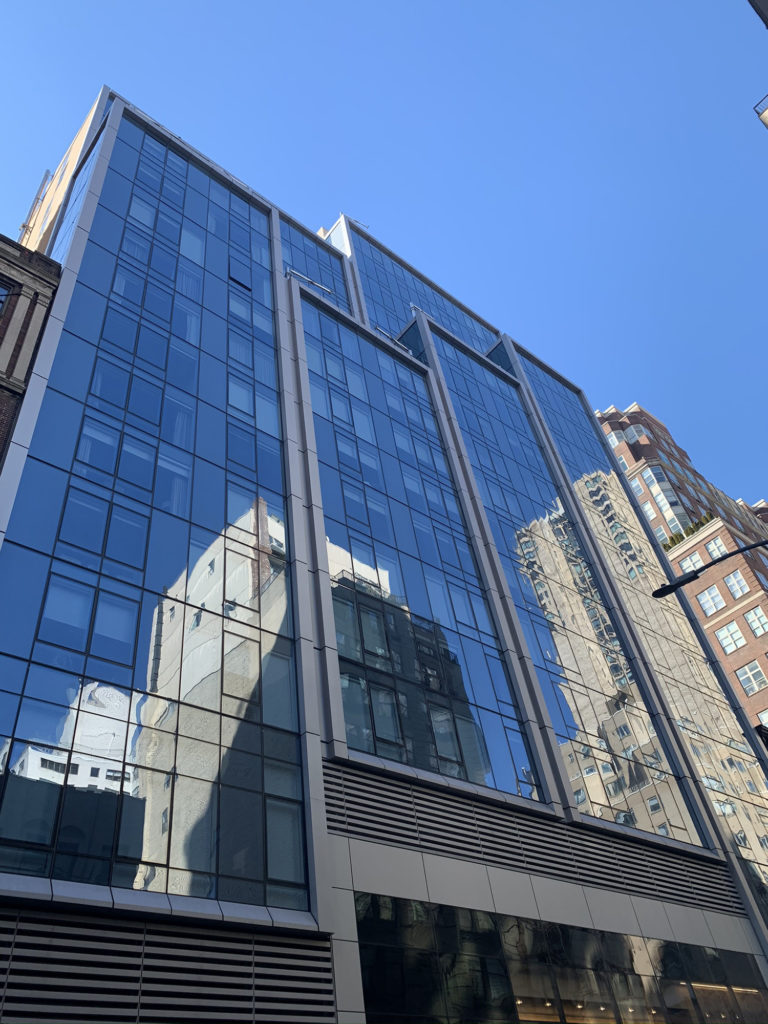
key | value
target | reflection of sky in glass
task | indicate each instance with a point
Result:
(615, 763)
(319, 267)
(422, 677)
(390, 288)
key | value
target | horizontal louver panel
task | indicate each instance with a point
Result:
(389, 809)
(67, 968)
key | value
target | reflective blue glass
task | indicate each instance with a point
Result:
(410, 615)
(170, 572)
(316, 263)
(609, 747)
(390, 288)
(702, 713)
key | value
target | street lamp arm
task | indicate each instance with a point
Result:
(689, 577)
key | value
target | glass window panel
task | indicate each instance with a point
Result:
(144, 816)
(98, 446)
(114, 630)
(347, 629)
(285, 841)
(84, 522)
(241, 667)
(67, 613)
(385, 717)
(201, 659)
(357, 715)
(32, 793)
(193, 825)
(241, 851)
(278, 688)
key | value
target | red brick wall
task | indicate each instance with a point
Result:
(9, 404)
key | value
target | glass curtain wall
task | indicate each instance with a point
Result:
(320, 268)
(422, 678)
(426, 963)
(728, 770)
(390, 288)
(617, 766)
(148, 695)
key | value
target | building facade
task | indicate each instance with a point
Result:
(28, 282)
(696, 522)
(333, 688)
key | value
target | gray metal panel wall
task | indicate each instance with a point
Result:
(68, 967)
(385, 809)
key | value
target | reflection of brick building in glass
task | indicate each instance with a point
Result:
(695, 522)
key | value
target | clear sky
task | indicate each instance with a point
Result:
(588, 175)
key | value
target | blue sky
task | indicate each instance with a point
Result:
(588, 175)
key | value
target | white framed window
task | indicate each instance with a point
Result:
(736, 583)
(730, 637)
(710, 600)
(635, 432)
(636, 486)
(650, 511)
(716, 548)
(661, 534)
(757, 621)
(751, 677)
(654, 804)
(763, 716)
(691, 562)
(615, 438)
(622, 462)
(654, 475)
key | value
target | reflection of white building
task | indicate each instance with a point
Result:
(96, 736)
(206, 657)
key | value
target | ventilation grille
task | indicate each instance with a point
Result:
(56, 967)
(386, 809)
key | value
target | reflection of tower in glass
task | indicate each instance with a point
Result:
(723, 762)
(437, 734)
(202, 664)
(613, 758)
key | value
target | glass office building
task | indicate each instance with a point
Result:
(332, 686)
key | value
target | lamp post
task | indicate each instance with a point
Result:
(689, 577)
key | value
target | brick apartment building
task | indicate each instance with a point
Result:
(28, 282)
(696, 522)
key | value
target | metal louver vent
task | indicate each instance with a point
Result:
(61, 967)
(384, 808)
